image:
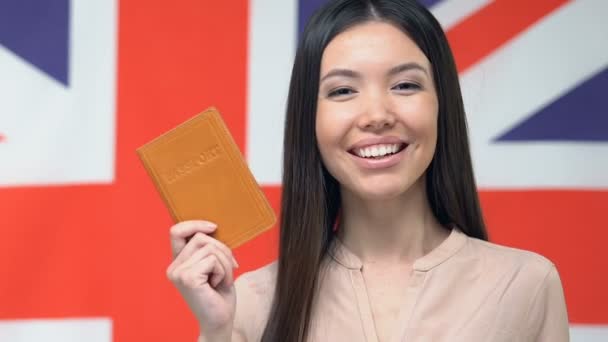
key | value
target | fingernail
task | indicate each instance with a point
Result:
(236, 264)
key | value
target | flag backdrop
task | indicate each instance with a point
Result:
(84, 236)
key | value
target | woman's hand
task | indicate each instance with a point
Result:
(202, 272)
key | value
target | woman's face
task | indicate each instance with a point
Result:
(377, 111)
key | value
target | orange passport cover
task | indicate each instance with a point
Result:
(201, 175)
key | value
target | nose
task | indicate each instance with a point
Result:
(377, 114)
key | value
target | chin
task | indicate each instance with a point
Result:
(381, 193)
(386, 189)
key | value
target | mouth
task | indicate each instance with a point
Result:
(378, 151)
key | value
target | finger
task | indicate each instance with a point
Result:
(181, 231)
(183, 262)
(200, 240)
(225, 249)
(217, 278)
(211, 249)
(200, 273)
(197, 242)
(217, 272)
(227, 265)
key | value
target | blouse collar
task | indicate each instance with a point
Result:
(450, 246)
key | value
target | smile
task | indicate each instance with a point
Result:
(379, 156)
(379, 150)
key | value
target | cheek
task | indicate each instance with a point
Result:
(422, 120)
(329, 127)
(430, 130)
(430, 135)
(324, 134)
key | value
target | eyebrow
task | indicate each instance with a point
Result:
(407, 66)
(393, 71)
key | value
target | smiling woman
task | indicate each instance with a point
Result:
(381, 98)
(381, 234)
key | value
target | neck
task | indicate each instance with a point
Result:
(397, 230)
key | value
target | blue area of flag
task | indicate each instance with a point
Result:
(429, 3)
(38, 32)
(579, 115)
(306, 8)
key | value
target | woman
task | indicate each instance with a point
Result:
(381, 236)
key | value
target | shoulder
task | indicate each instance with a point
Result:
(528, 264)
(522, 286)
(258, 282)
(532, 280)
(254, 294)
(522, 275)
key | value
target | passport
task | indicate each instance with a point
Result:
(201, 174)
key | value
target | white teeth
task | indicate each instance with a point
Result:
(377, 150)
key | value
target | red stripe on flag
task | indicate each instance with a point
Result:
(174, 61)
(54, 250)
(480, 34)
(569, 228)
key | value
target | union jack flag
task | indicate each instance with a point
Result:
(84, 243)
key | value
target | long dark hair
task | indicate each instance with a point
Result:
(311, 196)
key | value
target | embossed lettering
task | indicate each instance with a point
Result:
(191, 165)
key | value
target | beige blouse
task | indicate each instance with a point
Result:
(466, 289)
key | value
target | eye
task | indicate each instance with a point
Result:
(406, 86)
(341, 92)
